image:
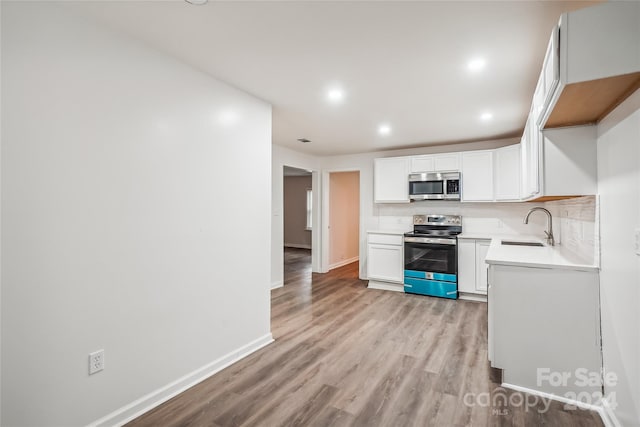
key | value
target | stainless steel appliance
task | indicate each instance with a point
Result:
(434, 186)
(431, 256)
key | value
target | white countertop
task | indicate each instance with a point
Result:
(523, 256)
(395, 232)
(534, 256)
(476, 236)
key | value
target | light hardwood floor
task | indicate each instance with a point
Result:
(349, 356)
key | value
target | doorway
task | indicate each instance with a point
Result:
(344, 219)
(297, 219)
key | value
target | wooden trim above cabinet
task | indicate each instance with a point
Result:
(589, 102)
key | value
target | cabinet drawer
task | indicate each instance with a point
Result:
(435, 276)
(386, 239)
(430, 287)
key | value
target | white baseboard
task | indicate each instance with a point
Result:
(344, 262)
(134, 409)
(597, 408)
(296, 245)
(609, 418)
(277, 284)
(386, 286)
(472, 297)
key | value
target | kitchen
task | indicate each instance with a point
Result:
(127, 260)
(500, 174)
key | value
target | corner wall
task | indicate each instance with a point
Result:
(619, 190)
(282, 156)
(122, 225)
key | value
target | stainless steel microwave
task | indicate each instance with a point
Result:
(434, 186)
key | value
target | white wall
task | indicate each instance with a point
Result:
(122, 225)
(281, 157)
(619, 190)
(344, 218)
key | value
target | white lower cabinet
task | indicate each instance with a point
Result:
(542, 322)
(385, 261)
(472, 270)
(482, 247)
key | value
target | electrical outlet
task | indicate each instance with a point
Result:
(96, 362)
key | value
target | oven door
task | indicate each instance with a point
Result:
(434, 255)
(430, 266)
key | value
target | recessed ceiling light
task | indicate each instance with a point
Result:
(304, 140)
(197, 2)
(384, 129)
(476, 64)
(485, 117)
(335, 95)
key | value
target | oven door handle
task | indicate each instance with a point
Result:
(431, 240)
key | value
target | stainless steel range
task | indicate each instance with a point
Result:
(431, 256)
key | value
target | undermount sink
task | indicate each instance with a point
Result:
(515, 243)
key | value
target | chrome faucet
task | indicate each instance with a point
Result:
(550, 240)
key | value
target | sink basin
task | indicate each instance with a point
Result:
(514, 243)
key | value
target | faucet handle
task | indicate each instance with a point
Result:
(550, 238)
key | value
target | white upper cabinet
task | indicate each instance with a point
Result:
(530, 156)
(507, 168)
(391, 180)
(477, 176)
(549, 77)
(592, 63)
(422, 164)
(436, 162)
(447, 162)
(570, 161)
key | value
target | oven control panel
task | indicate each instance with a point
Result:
(437, 220)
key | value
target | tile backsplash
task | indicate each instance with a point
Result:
(579, 226)
(574, 220)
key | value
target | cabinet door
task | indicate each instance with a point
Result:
(550, 70)
(570, 161)
(477, 176)
(530, 155)
(447, 162)
(490, 311)
(507, 167)
(481, 267)
(467, 265)
(534, 159)
(524, 165)
(422, 164)
(385, 262)
(391, 180)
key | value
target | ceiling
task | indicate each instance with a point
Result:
(404, 64)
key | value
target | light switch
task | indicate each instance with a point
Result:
(637, 243)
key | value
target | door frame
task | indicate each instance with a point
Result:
(316, 217)
(325, 234)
